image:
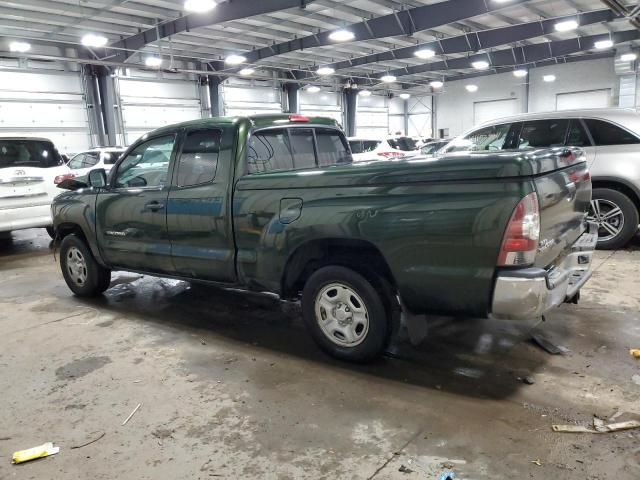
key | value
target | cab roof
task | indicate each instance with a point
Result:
(256, 121)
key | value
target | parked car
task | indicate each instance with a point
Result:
(273, 204)
(611, 141)
(99, 157)
(366, 149)
(432, 148)
(30, 169)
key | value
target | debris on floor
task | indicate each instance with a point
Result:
(404, 469)
(95, 437)
(33, 453)
(528, 380)
(636, 379)
(131, 414)
(599, 426)
(548, 346)
(447, 476)
(537, 462)
(635, 352)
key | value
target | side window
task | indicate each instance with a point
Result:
(577, 136)
(304, 155)
(491, 138)
(605, 133)
(90, 160)
(369, 146)
(543, 134)
(199, 158)
(269, 151)
(147, 165)
(77, 161)
(332, 150)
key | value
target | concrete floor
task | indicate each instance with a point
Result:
(232, 387)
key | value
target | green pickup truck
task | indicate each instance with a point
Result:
(273, 203)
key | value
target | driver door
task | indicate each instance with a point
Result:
(131, 216)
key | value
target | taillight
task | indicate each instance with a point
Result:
(520, 242)
(297, 118)
(61, 178)
(391, 154)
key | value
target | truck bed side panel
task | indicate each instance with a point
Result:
(440, 239)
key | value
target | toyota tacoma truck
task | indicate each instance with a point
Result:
(273, 203)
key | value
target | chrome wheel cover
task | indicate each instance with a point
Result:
(609, 218)
(76, 266)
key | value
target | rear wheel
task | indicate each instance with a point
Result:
(616, 216)
(83, 275)
(345, 314)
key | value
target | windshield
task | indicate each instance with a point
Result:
(406, 144)
(28, 153)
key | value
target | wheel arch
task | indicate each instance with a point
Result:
(620, 185)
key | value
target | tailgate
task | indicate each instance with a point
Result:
(564, 196)
(22, 187)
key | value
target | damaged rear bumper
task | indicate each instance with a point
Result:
(531, 292)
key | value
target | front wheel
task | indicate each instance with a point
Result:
(616, 216)
(345, 314)
(83, 275)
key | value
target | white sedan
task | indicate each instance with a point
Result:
(100, 157)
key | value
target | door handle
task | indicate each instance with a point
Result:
(154, 206)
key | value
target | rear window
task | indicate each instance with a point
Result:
(269, 151)
(406, 144)
(605, 133)
(28, 153)
(331, 149)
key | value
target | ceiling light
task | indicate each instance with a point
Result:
(566, 26)
(153, 61)
(604, 44)
(388, 78)
(325, 71)
(313, 89)
(94, 41)
(549, 78)
(247, 71)
(480, 65)
(436, 84)
(20, 47)
(629, 57)
(199, 6)
(235, 59)
(405, 96)
(471, 88)
(520, 73)
(424, 53)
(341, 36)
(365, 93)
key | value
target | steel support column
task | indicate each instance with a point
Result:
(108, 104)
(350, 106)
(215, 99)
(293, 105)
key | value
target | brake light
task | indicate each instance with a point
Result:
(520, 242)
(299, 118)
(391, 154)
(61, 178)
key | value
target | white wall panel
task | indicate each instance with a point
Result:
(590, 99)
(494, 109)
(420, 121)
(322, 104)
(150, 103)
(570, 78)
(46, 104)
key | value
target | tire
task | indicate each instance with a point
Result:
(616, 231)
(84, 276)
(52, 232)
(345, 314)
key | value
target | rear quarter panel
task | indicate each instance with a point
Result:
(440, 239)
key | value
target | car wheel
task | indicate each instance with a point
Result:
(616, 216)
(52, 232)
(83, 275)
(345, 314)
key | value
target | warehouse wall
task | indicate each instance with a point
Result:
(499, 95)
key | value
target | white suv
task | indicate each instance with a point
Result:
(99, 157)
(611, 140)
(30, 170)
(392, 148)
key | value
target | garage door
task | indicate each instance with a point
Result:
(491, 110)
(372, 117)
(589, 99)
(250, 100)
(321, 104)
(150, 103)
(45, 104)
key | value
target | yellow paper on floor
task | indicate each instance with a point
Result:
(41, 451)
(635, 352)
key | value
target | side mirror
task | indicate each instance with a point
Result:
(98, 178)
